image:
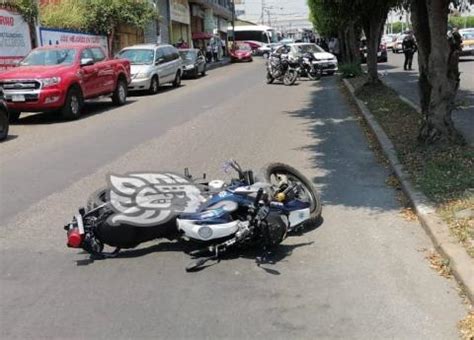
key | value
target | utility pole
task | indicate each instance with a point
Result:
(262, 17)
(233, 23)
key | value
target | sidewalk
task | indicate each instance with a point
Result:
(406, 84)
(215, 64)
(460, 263)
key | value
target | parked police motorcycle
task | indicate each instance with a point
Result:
(214, 214)
(309, 68)
(281, 68)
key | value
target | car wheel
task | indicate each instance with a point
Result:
(4, 124)
(177, 80)
(154, 85)
(14, 116)
(119, 96)
(73, 106)
(330, 72)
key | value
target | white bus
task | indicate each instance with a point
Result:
(255, 36)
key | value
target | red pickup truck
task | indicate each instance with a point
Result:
(61, 77)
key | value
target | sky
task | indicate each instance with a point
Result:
(279, 9)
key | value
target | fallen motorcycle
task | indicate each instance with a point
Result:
(216, 215)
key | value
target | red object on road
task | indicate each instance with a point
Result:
(241, 52)
(61, 77)
(74, 238)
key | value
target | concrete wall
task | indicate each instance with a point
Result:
(164, 24)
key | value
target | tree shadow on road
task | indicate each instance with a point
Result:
(349, 173)
(276, 255)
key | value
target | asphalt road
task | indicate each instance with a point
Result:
(361, 275)
(406, 83)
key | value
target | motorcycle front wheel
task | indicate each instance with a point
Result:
(315, 74)
(290, 77)
(273, 172)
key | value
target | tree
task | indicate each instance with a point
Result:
(103, 16)
(345, 16)
(69, 14)
(336, 19)
(438, 69)
(27, 8)
(373, 15)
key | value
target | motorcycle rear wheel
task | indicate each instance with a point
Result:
(268, 174)
(97, 198)
(270, 79)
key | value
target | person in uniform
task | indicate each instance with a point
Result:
(409, 48)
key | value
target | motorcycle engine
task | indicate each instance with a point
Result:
(277, 229)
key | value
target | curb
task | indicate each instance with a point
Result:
(218, 64)
(461, 264)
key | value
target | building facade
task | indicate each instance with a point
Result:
(159, 31)
(209, 21)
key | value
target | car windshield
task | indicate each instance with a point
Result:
(243, 48)
(188, 55)
(50, 57)
(138, 56)
(310, 48)
(468, 35)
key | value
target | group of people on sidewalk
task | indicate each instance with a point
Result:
(211, 49)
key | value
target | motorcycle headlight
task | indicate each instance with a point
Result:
(50, 81)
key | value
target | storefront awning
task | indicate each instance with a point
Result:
(202, 35)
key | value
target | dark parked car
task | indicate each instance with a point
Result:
(4, 124)
(381, 53)
(194, 62)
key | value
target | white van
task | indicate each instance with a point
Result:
(152, 66)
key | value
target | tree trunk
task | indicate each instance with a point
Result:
(439, 72)
(349, 43)
(373, 27)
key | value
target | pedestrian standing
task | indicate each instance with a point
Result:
(208, 52)
(215, 51)
(224, 50)
(331, 45)
(334, 47)
(337, 49)
(455, 40)
(409, 48)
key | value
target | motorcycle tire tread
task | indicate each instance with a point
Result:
(268, 169)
